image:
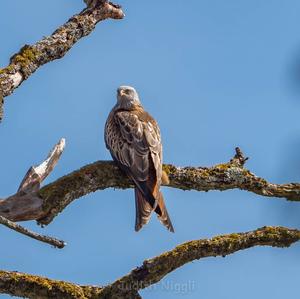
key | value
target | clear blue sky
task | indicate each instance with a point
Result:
(216, 75)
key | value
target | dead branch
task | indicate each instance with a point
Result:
(20, 229)
(26, 200)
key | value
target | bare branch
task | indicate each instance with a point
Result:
(27, 202)
(20, 229)
(31, 57)
(35, 175)
(152, 270)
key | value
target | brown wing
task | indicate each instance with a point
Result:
(133, 138)
(131, 141)
(131, 146)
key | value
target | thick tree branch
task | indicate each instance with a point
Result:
(31, 286)
(31, 57)
(44, 204)
(105, 174)
(152, 270)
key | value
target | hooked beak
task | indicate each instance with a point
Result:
(120, 92)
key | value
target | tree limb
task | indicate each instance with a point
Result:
(31, 286)
(152, 270)
(35, 175)
(44, 204)
(31, 57)
(26, 201)
(20, 229)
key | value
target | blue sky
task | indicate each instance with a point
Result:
(216, 75)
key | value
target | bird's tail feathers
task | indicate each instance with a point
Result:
(146, 202)
(162, 213)
(143, 209)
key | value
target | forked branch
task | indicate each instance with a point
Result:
(27, 201)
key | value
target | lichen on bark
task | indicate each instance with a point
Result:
(151, 271)
(32, 286)
(45, 204)
(31, 57)
(154, 269)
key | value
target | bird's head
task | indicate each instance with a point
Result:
(128, 98)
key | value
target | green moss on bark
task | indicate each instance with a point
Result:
(31, 286)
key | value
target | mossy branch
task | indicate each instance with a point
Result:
(31, 286)
(31, 57)
(45, 204)
(151, 271)
(105, 174)
(154, 269)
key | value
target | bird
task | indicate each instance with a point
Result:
(133, 138)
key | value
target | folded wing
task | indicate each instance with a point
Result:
(134, 141)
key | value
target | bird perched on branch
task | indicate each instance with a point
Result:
(133, 139)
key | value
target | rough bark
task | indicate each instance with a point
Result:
(31, 286)
(105, 174)
(31, 57)
(44, 204)
(151, 271)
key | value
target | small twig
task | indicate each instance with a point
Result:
(239, 158)
(20, 229)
